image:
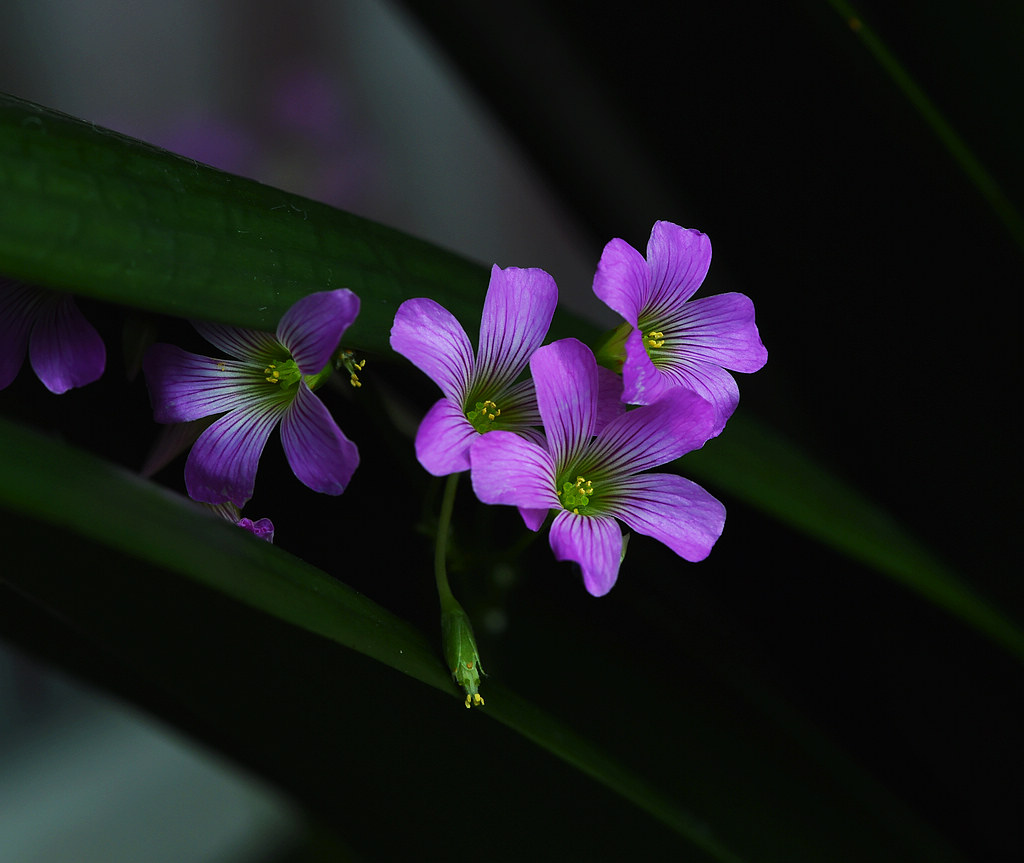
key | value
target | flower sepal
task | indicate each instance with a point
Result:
(611, 351)
(460, 651)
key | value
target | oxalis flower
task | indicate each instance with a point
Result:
(592, 482)
(63, 347)
(480, 391)
(269, 379)
(670, 339)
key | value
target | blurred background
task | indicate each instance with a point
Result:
(888, 295)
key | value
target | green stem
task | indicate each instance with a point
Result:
(444, 592)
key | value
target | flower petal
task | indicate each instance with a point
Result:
(651, 435)
(673, 510)
(428, 335)
(65, 350)
(516, 316)
(311, 329)
(510, 470)
(719, 330)
(222, 465)
(443, 439)
(643, 384)
(609, 398)
(318, 452)
(709, 381)
(565, 375)
(678, 259)
(623, 281)
(241, 343)
(18, 308)
(594, 542)
(185, 386)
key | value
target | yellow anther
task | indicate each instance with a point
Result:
(273, 375)
(354, 380)
(222, 367)
(476, 699)
(655, 339)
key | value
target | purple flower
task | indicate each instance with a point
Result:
(270, 379)
(480, 392)
(64, 348)
(593, 481)
(261, 528)
(675, 342)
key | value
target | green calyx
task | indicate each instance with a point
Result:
(611, 353)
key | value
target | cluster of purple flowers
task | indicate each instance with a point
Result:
(573, 439)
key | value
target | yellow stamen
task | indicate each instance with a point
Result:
(655, 339)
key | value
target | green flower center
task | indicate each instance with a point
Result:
(576, 495)
(483, 415)
(286, 373)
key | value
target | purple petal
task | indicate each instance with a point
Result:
(652, 435)
(565, 374)
(18, 308)
(642, 382)
(262, 527)
(622, 280)
(594, 542)
(241, 343)
(222, 465)
(318, 452)
(444, 438)
(719, 330)
(311, 329)
(428, 335)
(673, 510)
(510, 470)
(185, 386)
(516, 316)
(533, 518)
(678, 259)
(609, 398)
(710, 382)
(65, 350)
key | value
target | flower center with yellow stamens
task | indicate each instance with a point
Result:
(283, 372)
(576, 495)
(483, 415)
(347, 359)
(655, 339)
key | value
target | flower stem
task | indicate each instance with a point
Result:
(444, 592)
(456, 630)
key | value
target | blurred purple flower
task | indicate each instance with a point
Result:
(592, 481)
(270, 379)
(63, 347)
(480, 392)
(262, 528)
(675, 341)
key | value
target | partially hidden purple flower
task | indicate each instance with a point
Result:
(261, 528)
(480, 390)
(593, 481)
(676, 341)
(269, 379)
(63, 347)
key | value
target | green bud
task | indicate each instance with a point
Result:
(460, 651)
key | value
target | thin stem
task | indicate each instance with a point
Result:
(444, 520)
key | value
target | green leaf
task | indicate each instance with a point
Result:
(758, 465)
(239, 642)
(85, 209)
(100, 214)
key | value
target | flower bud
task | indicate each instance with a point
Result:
(460, 651)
